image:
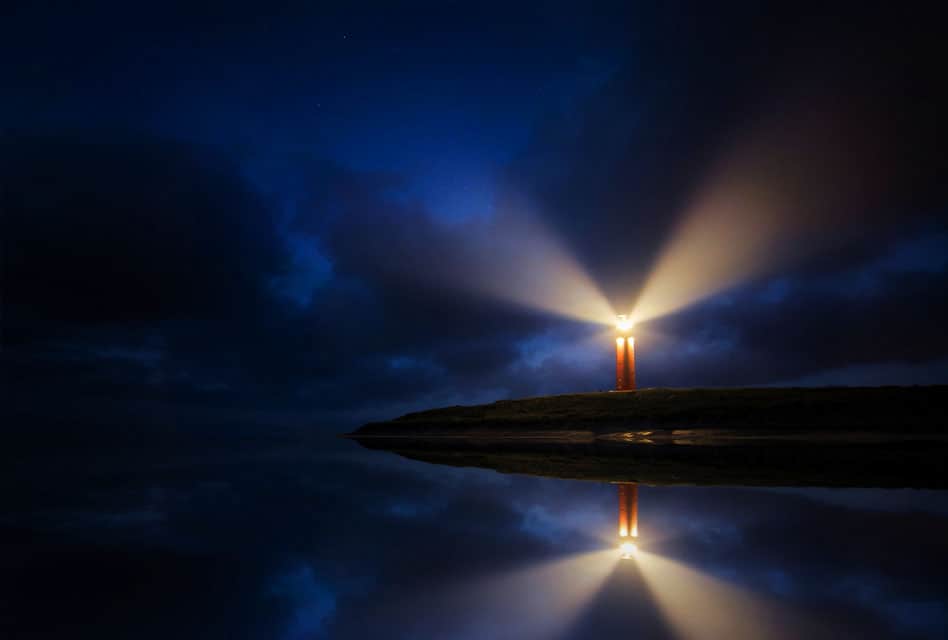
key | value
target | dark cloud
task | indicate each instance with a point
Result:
(804, 326)
(131, 265)
(129, 232)
(139, 268)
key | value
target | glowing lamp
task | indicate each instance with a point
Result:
(625, 354)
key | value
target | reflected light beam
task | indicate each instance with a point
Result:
(537, 602)
(700, 607)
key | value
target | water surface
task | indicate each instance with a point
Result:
(321, 538)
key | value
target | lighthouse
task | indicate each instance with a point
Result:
(628, 518)
(625, 354)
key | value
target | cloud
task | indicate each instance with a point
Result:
(811, 324)
(313, 602)
(130, 232)
(140, 270)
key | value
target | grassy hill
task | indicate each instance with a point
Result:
(865, 409)
(835, 437)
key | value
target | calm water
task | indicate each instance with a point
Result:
(266, 540)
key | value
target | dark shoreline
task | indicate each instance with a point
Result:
(922, 409)
(919, 465)
(833, 437)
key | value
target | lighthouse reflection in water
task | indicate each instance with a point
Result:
(628, 519)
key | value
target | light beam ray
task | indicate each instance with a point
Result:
(542, 601)
(793, 185)
(538, 602)
(511, 256)
(718, 245)
(700, 607)
(526, 265)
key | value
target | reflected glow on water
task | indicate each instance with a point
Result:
(539, 601)
(700, 607)
(349, 544)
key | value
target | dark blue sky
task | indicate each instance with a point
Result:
(442, 93)
(234, 212)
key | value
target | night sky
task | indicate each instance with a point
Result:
(244, 213)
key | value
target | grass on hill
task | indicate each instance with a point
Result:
(902, 409)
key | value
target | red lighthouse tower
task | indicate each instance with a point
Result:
(625, 354)
(628, 518)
